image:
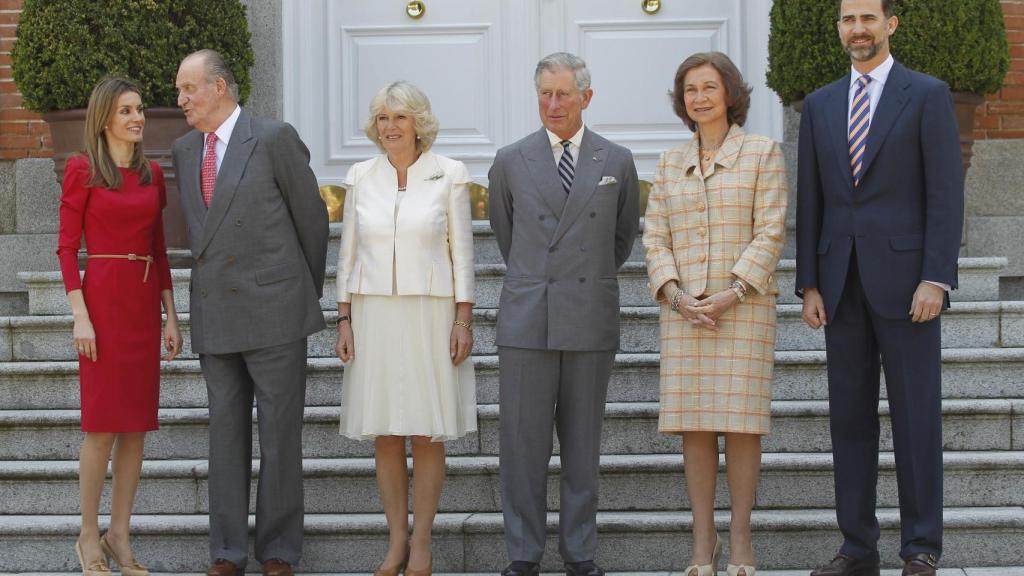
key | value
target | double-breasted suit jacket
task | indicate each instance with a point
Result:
(561, 290)
(427, 250)
(703, 231)
(260, 250)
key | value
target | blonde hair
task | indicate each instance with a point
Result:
(102, 168)
(402, 96)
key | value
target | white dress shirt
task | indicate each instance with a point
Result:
(223, 133)
(574, 146)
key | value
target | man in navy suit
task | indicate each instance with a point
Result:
(879, 219)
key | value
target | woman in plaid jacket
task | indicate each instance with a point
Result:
(713, 233)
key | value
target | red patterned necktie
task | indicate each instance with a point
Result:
(208, 173)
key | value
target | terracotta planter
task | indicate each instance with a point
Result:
(163, 127)
(965, 104)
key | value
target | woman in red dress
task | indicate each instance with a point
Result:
(115, 197)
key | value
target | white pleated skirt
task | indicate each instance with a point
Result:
(402, 381)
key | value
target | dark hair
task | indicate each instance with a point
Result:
(737, 92)
(102, 169)
(886, 8)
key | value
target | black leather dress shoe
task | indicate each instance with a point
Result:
(521, 568)
(585, 568)
(920, 565)
(843, 565)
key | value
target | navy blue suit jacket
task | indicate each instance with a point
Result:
(905, 219)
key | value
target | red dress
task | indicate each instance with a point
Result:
(120, 391)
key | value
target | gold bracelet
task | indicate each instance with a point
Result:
(465, 325)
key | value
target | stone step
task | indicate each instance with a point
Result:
(629, 428)
(799, 375)
(979, 282)
(966, 325)
(473, 542)
(969, 571)
(627, 482)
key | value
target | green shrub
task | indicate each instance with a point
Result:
(63, 47)
(962, 42)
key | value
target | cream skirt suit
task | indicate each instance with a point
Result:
(406, 258)
(704, 230)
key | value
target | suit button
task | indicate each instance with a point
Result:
(231, 259)
(593, 214)
(583, 248)
(552, 249)
(238, 222)
(551, 280)
(541, 217)
(582, 280)
(703, 258)
(203, 292)
(234, 290)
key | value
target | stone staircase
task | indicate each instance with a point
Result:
(644, 520)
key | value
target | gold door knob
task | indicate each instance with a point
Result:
(415, 9)
(650, 7)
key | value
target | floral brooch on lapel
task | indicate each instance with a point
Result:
(436, 176)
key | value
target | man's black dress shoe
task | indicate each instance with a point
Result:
(585, 568)
(920, 565)
(843, 565)
(521, 568)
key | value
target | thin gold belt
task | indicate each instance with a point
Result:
(147, 259)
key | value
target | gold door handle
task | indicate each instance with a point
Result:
(650, 7)
(415, 9)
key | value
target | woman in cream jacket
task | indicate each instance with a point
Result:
(405, 300)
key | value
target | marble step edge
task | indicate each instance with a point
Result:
(971, 461)
(1009, 518)
(968, 571)
(651, 313)
(613, 410)
(490, 361)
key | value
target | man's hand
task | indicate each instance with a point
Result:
(927, 302)
(814, 309)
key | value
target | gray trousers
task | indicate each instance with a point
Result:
(539, 390)
(276, 377)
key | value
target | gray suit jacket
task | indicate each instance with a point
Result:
(561, 290)
(260, 251)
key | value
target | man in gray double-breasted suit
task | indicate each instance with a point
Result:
(565, 212)
(258, 232)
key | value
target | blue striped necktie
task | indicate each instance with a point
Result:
(860, 120)
(565, 168)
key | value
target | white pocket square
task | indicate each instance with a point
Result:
(607, 180)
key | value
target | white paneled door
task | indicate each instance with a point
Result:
(475, 60)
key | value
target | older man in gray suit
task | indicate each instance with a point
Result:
(565, 211)
(258, 233)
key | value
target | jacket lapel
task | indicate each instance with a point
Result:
(890, 105)
(589, 167)
(236, 156)
(837, 110)
(189, 186)
(540, 161)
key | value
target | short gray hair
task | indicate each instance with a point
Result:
(402, 96)
(564, 61)
(216, 67)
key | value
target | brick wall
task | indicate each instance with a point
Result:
(22, 133)
(1002, 114)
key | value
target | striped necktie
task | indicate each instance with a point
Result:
(565, 169)
(860, 120)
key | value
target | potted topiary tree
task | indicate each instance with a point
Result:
(63, 47)
(963, 43)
